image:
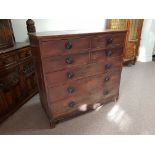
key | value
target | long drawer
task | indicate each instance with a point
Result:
(75, 73)
(108, 40)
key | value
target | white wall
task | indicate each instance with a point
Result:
(20, 32)
(147, 45)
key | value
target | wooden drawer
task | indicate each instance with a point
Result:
(108, 40)
(24, 53)
(68, 106)
(75, 73)
(7, 59)
(106, 53)
(81, 104)
(62, 62)
(59, 47)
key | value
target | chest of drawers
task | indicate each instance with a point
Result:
(77, 71)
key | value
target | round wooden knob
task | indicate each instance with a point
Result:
(109, 40)
(107, 78)
(108, 66)
(71, 104)
(70, 75)
(69, 60)
(106, 92)
(68, 45)
(108, 53)
(71, 89)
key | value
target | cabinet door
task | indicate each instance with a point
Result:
(6, 34)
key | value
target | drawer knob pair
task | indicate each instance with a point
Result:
(69, 60)
(108, 53)
(70, 75)
(71, 104)
(68, 45)
(71, 90)
(109, 40)
(108, 66)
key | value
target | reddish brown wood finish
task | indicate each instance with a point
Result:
(90, 75)
(59, 62)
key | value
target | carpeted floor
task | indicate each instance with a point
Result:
(134, 113)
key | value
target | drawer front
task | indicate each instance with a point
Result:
(71, 105)
(108, 40)
(68, 106)
(59, 47)
(81, 88)
(111, 64)
(62, 62)
(24, 53)
(106, 53)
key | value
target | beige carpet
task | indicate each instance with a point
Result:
(134, 113)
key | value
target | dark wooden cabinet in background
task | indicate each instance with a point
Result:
(77, 71)
(6, 34)
(17, 78)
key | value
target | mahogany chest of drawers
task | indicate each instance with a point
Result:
(77, 71)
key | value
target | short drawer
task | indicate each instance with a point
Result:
(62, 62)
(108, 40)
(106, 53)
(24, 53)
(71, 105)
(66, 46)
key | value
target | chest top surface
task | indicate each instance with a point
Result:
(70, 33)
